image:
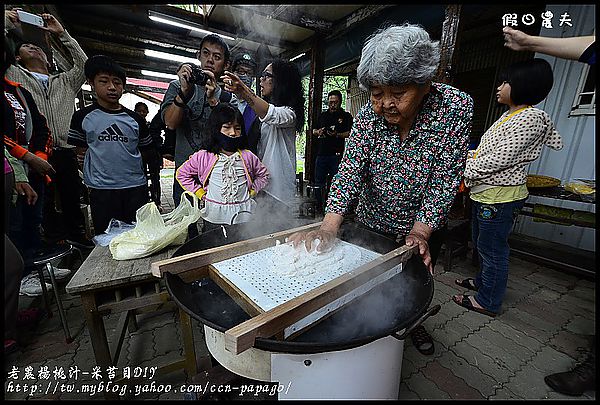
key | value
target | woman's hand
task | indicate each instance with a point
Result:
(326, 233)
(24, 189)
(234, 85)
(38, 164)
(325, 236)
(516, 40)
(413, 239)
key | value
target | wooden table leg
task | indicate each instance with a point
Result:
(95, 324)
(121, 331)
(189, 351)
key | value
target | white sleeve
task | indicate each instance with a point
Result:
(282, 117)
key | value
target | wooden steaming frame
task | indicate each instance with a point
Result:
(193, 266)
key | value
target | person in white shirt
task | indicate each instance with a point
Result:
(281, 112)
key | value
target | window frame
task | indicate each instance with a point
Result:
(583, 109)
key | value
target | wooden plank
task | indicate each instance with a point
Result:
(100, 270)
(241, 337)
(189, 350)
(249, 306)
(317, 68)
(133, 303)
(196, 260)
(194, 275)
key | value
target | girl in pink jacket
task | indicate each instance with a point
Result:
(224, 175)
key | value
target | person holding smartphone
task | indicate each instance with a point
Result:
(54, 94)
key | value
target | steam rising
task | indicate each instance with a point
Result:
(377, 312)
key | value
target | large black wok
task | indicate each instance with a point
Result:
(400, 303)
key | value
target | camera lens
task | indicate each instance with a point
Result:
(198, 76)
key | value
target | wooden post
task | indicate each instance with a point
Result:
(315, 103)
(448, 43)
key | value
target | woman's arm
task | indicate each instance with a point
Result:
(241, 91)
(567, 48)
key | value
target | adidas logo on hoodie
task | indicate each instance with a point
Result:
(113, 133)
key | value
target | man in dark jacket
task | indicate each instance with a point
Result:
(332, 129)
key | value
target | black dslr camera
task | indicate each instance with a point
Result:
(198, 76)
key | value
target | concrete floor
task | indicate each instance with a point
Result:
(546, 325)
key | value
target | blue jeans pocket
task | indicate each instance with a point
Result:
(487, 212)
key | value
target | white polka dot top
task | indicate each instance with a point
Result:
(508, 147)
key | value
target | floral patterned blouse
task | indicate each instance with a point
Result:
(399, 182)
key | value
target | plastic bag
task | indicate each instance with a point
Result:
(115, 228)
(586, 189)
(154, 231)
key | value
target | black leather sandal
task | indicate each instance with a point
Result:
(468, 283)
(466, 303)
(422, 340)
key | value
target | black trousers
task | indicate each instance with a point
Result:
(119, 204)
(13, 265)
(25, 219)
(325, 166)
(153, 164)
(68, 187)
(9, 188)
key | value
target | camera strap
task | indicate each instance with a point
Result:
(184, 98)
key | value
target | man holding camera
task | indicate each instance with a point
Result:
(333, 128)
(190, 99)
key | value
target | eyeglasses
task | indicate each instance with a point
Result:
(265, 75)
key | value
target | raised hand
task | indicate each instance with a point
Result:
(52, 24)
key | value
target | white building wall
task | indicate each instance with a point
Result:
(577, 159)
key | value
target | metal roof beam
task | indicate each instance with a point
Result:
(288, 15)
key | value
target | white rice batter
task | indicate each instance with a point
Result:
(288, 261)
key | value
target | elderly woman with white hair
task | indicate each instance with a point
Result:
(406, 152)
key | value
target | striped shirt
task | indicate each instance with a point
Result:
(113, 159)
(399, 182)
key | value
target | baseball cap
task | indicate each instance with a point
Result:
(244, 58)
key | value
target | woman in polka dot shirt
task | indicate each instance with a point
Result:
(497, 173)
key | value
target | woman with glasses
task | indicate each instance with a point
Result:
(497, 174)
(281, 111)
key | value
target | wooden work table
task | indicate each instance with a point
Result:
(107, 286)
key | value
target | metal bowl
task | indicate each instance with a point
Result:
(392, 306)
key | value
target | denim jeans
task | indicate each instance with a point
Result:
(492, 224)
